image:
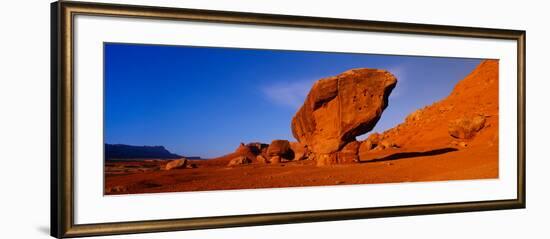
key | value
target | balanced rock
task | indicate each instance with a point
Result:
(339, 108)
(174, 164)
(466, 127)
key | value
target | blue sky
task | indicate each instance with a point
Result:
(199, 101)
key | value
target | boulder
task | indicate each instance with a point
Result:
(466, 127)
(245, 150)
(261, 159)
(252, 150)
(366, 145)
(387, 144)
(372, 141)
(241, 160)
(280, 148)
(339, 108)
(177, 163)
(275, 159)
(256, 147)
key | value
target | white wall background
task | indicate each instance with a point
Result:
(24, 119)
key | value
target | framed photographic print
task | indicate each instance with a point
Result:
(170, 119)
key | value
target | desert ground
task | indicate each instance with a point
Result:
(455, 138)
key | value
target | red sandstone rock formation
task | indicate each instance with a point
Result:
(339, 108)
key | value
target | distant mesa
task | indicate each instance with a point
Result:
(193, 157)
(123, 151)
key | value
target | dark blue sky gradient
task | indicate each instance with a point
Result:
(199, 101)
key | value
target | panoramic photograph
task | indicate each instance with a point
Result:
(190, 118)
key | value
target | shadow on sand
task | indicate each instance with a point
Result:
(404, 155)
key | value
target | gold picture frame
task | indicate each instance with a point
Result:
(62, 102)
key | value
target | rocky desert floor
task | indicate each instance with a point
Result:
(393, 166)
